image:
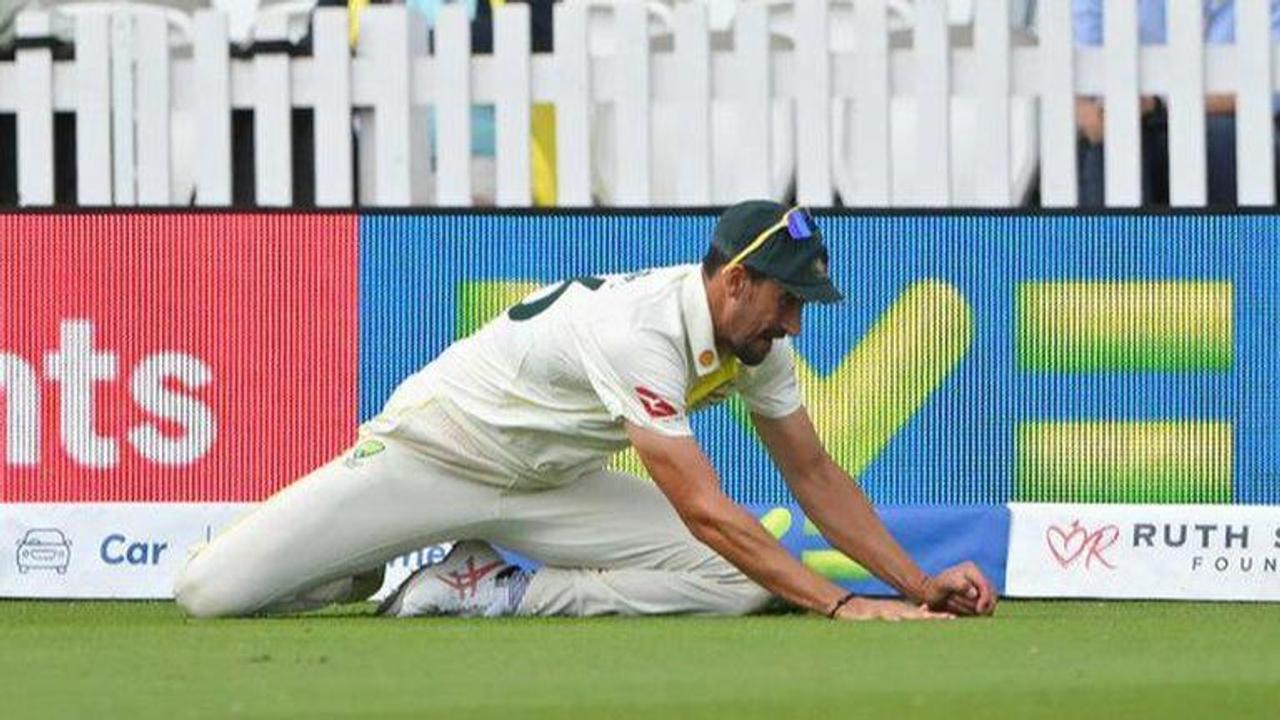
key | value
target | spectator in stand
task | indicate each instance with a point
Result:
(1220, 124)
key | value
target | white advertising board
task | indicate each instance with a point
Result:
(1182, 552)
(121, 550)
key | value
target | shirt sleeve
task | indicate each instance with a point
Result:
(770, 388)
(639, 378)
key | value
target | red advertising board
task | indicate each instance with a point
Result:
(173, 357)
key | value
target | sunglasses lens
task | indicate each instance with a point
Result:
(799, 225)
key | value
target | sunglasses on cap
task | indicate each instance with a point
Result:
(798, 223)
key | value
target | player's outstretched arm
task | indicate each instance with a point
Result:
(835, 503)
(686, 477)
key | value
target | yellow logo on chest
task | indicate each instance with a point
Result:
(713, 387)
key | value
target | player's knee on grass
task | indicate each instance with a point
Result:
(202, 594)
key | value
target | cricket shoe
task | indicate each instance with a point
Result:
(472, 581)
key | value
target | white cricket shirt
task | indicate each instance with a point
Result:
(537, 397)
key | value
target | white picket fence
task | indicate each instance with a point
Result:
(651, 109)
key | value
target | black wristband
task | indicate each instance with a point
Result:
(839, 604)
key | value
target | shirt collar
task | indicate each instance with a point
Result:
(697, 322)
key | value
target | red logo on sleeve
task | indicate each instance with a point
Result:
(657, 408)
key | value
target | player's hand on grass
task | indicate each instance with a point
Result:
(960, 590)
(891, 610)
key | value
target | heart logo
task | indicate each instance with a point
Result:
(1066, 545)
(1069, 544)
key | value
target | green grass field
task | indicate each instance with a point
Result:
(1035, 659)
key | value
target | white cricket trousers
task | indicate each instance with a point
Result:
(608, 543)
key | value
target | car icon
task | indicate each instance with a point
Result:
(44, 549)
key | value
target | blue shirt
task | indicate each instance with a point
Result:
(1219, 21)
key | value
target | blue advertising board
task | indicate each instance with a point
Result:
(978, 359)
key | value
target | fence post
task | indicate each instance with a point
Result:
(1122, 131)
(1254, 105)
(872, 144)
(1186, 105)
(123, 157)
(213, 109)
(511, 45)
(693, 60)
(154, 107)
(752, 104)
(35, 111)
(813, 104)
(573, 105)
(272, 115)
(633, 104)
(991, 43)
(453, 106)
(1057, 105)
(421, 182)
(93, 110)
(932, 173)
(332, 83)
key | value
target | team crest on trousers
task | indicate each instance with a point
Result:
(364, 449)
